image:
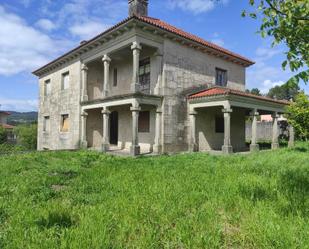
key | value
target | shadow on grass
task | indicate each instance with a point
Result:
(300, 149)
(57, 219)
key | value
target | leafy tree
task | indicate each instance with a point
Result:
(3, 135)
(254, 91)
(287, 91)
(298, 115)
(287, 21)
(27, 136)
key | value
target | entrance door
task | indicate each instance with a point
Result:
(113, 128)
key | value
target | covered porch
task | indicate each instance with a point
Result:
(125, 124)
(217, 120)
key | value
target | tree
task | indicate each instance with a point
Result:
(298, 115)
(287, 91)
(3, 135)
(254, 91)
(27, 136)
(287, 21)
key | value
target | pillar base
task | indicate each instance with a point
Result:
(85, 98)
(135, 87)
(227, 149)
(274, 146)
(254, 147)
(192, 147)
(105, 147)
(291, 144)
(157, 149)
(135, 150)
(83, 144)
(105, 94)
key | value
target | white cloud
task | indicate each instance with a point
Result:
(88, 30)
(195, 6)
(267, 72)
(20, 105)
(45, 24)
(267, 84)
(23, 48)
(218, 41)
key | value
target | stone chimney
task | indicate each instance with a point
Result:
(138, 8)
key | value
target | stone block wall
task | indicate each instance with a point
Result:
(60, 102)
(184, 69)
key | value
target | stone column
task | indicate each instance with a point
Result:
(136, 48)
(84, 82)
(254, 145)
(227, 147)
(157, 148)
(83, 139)
(135, 148)
(275, 143)
(106, 61)
(291, 136)
(105, 139)
(192, 142)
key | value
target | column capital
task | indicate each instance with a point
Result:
(105, 112)
(135, 109)
(84, 114)
(84, 67)
(106, 58)
(159, 110)
(136, 46)
(192, 113)
(227, 110)
(158, 54)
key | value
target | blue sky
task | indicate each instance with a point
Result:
(35, 31)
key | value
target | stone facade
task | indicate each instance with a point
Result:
(104, 79)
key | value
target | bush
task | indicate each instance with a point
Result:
(299, 116)
(27, 136)
(3, 135)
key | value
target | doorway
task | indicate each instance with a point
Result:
(113, 128)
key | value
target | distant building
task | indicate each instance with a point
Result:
(3, 122)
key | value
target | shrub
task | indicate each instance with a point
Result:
(299, 115)
(27, 136)
(3, 135)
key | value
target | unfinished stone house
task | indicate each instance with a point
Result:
(144, 86)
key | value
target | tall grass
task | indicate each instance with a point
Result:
(91, 200)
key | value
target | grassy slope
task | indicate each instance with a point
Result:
(89, 200)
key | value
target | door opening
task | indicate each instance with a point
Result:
(113, 128)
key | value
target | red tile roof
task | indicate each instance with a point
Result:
(163, 25)
(160, 24)
(219, 91)
(6, 113)
(6, 126)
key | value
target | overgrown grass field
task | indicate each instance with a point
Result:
(90, 200)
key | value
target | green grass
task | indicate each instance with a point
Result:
(90, 200)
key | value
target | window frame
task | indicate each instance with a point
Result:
(63, 76)
(145, 127)
(62, 121)
(47, 90)
(145, 77)
(46, 126)
(222, 71)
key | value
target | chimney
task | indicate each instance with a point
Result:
(138, 8)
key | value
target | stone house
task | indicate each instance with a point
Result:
(145, 86)
(9, 128)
